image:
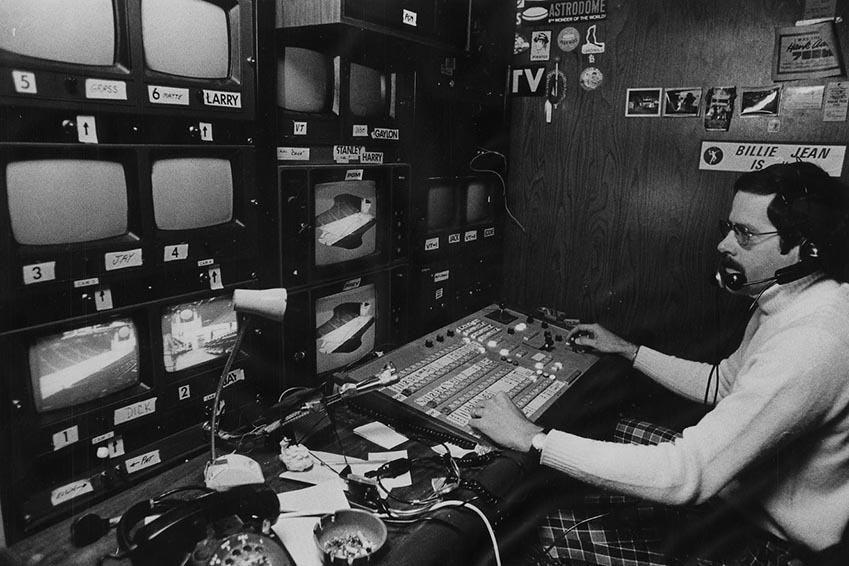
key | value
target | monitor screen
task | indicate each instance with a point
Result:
(66, 201)
(345, 327)
(198, 331)
(478, 202)
(84, 364)
(192, 192)
(82, 32)
(346, 215)
(188, 38)
(305, 80)
(368, 90)
(440, 212)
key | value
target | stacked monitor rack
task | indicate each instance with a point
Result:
(132, 203)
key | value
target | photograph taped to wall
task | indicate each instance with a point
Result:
(642, 102)
(682, 102)
(760, 101)
(719, 108)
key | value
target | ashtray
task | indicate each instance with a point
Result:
(349, 536)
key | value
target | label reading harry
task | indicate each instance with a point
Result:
(141, 462)
(354, 175)
(70, 491)
(39, 272)
(134, 411)
(360, 131)
(122, 260)
(101, 89)
(471, 236)
(372, 157)
(385, 134)
(222, 99)
(168, 95)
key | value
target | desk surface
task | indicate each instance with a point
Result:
(454, 536)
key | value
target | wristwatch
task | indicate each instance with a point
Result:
(538, 441)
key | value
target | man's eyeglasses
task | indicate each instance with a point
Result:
(741, 233)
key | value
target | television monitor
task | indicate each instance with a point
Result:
(197, 332)
(341, 219)
(480, 201)
(441, 210)
(69, 214)
(307, 95)
(53, 53)
(437, 209)
(375, 101)
(345, 321)
(196, 55)
(202, 205)
(78, 366)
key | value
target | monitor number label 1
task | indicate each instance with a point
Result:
(39, 272)
(66, 437)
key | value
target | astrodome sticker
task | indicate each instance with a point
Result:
(577, 11)
(753, 156)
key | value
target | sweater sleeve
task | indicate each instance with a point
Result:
(687, 378)
(788, 382)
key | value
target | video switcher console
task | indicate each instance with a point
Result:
(442, 375)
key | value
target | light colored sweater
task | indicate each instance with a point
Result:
(786, 387)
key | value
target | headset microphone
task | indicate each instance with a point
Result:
(737, 281)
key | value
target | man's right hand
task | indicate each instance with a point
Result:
(602, 340)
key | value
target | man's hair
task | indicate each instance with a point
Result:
(810, 207)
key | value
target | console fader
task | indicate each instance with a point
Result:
(442, 375)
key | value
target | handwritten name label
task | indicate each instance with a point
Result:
(101, 89)
(134, 411)
(122, 260)
(70, 491)
(168, 95)
(293, 153)
(141, 462)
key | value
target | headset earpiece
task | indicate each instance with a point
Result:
(808, 251)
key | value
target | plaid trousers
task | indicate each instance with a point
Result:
(617, 530)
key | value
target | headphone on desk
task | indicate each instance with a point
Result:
(166, 532)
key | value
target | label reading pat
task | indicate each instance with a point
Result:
(122, 260)
(70, 491)
(141, 462)
(222, 99)
(134, 411)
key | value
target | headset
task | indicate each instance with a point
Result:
(807, 264)
(165, 532)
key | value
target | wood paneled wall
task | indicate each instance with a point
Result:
(621, 225)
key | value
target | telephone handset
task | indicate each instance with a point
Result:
(178, 526)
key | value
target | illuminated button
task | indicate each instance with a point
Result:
(503, 352)
(467, 340)
(539, 372)
(492, 343)
(521, 327)
(102, 452)
(558, 366)
(539, 365)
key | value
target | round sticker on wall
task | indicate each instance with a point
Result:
(568, 39)
(591, 78)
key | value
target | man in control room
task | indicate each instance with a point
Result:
(774, 446)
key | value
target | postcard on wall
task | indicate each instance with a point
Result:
(760, 101)
(642, 102)
(681, 102)
(802, 97)
(540, 45)
(805, 52)
(836, 102)
(719, 108)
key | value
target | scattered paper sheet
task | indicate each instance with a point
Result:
(381, 435)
